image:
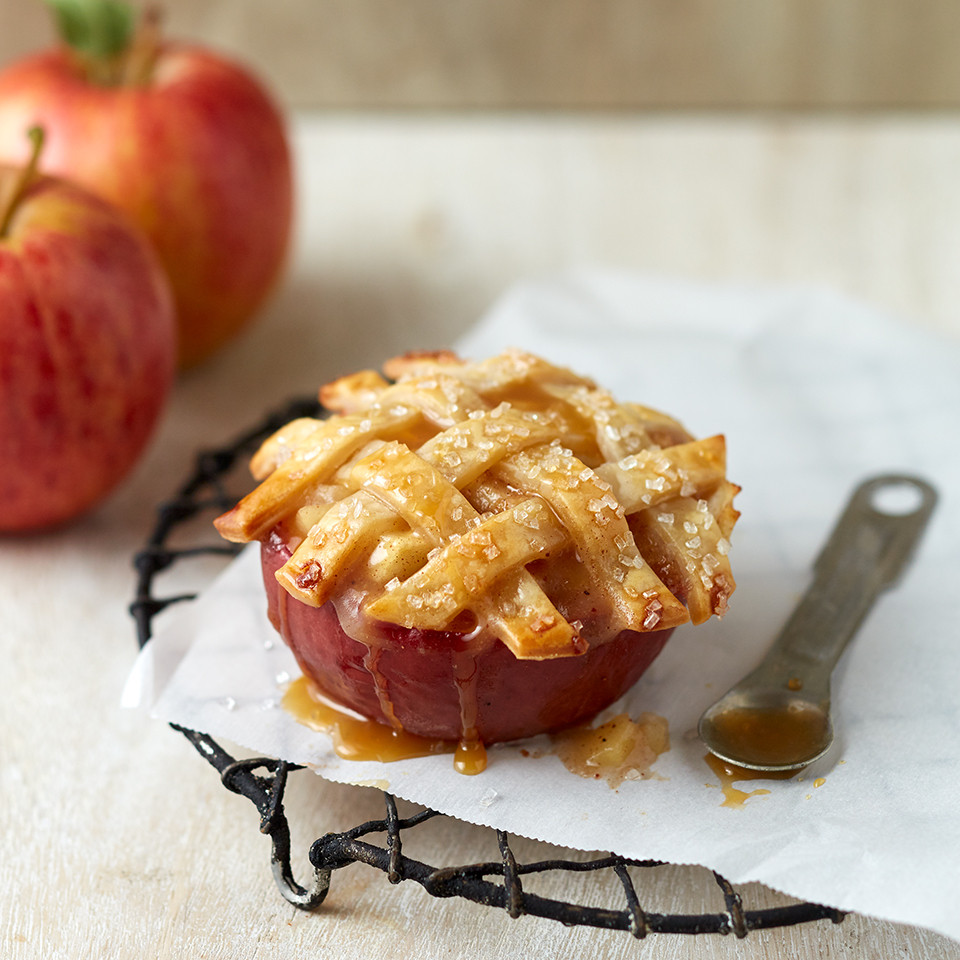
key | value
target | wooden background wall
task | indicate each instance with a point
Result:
(606, 54)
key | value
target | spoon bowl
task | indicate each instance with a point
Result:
(771, 730)
(778, 717)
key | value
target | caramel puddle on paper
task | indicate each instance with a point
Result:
(729, 773)
(620, 749)
(357, 738)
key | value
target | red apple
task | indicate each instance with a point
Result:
(87, 348)
(189, 145)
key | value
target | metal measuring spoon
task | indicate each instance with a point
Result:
(778, 717)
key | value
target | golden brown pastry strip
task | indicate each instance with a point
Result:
(597, 525)
(690, 546)
(507, 372)
(648, 477)
(353, 393)
(316, 459)
(296, 435)
(617, 430)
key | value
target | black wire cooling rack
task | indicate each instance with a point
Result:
(262, 780)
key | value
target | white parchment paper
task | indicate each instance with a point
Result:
(814, 393)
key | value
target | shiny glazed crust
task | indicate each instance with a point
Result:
(507, 499)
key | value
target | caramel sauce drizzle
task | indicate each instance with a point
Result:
(371, 661)
(471, 755)
(354, 736)
(729, 773)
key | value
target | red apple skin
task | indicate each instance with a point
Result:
(87, 352)
(515, 698)
(198, 157)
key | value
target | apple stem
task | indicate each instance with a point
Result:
(97, 33)
(144, 48)
(109, 44)
(23, 180)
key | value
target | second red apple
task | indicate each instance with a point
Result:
(194, 150)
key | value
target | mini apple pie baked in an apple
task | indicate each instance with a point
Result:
(478, 552)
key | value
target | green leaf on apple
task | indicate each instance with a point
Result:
(98, 29)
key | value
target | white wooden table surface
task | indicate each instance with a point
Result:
(118, 841)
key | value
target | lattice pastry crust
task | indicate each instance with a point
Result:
(510, 494)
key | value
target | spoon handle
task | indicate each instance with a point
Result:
(866, 553)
